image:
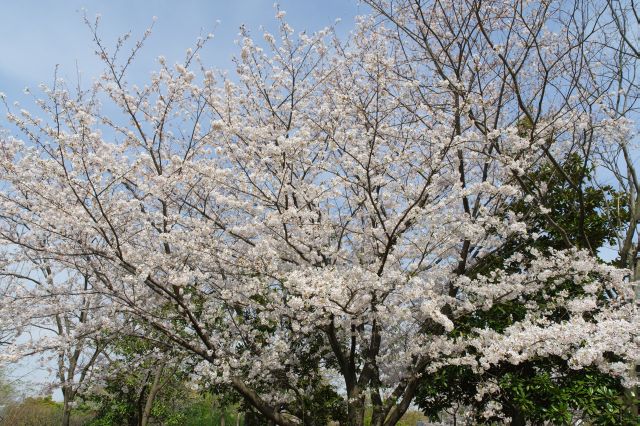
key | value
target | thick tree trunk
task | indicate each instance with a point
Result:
(377, 414)
(67, 395)
(377, 417)
(66, 413)
(356, 408)
(517, 419)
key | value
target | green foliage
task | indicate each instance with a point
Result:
(546, 396)
(410, 418)
(589, 218)
(175, 405)
(194, 410)
(208, 411)
(319, 403)
(41, 411)
(122, 397)
(7, 391)
(545, 389)
(33, 411)
(540, 391)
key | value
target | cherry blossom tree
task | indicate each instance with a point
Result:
(591, 73)
(55, 318)
(330, 205)
(620, 156)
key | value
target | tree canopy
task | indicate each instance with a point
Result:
(341, 218)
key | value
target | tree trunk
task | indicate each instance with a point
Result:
(377, 414)
(517, 419)
(356, 408)
(513, 411)
(66, 413)
(66, 405)
(155, 387)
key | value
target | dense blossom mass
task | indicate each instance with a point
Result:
(328, 211)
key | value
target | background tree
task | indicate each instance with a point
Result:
(57, 316)
(141, 382)
(8, 392)
(546, 389)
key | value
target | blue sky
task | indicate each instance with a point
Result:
(35, 35)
